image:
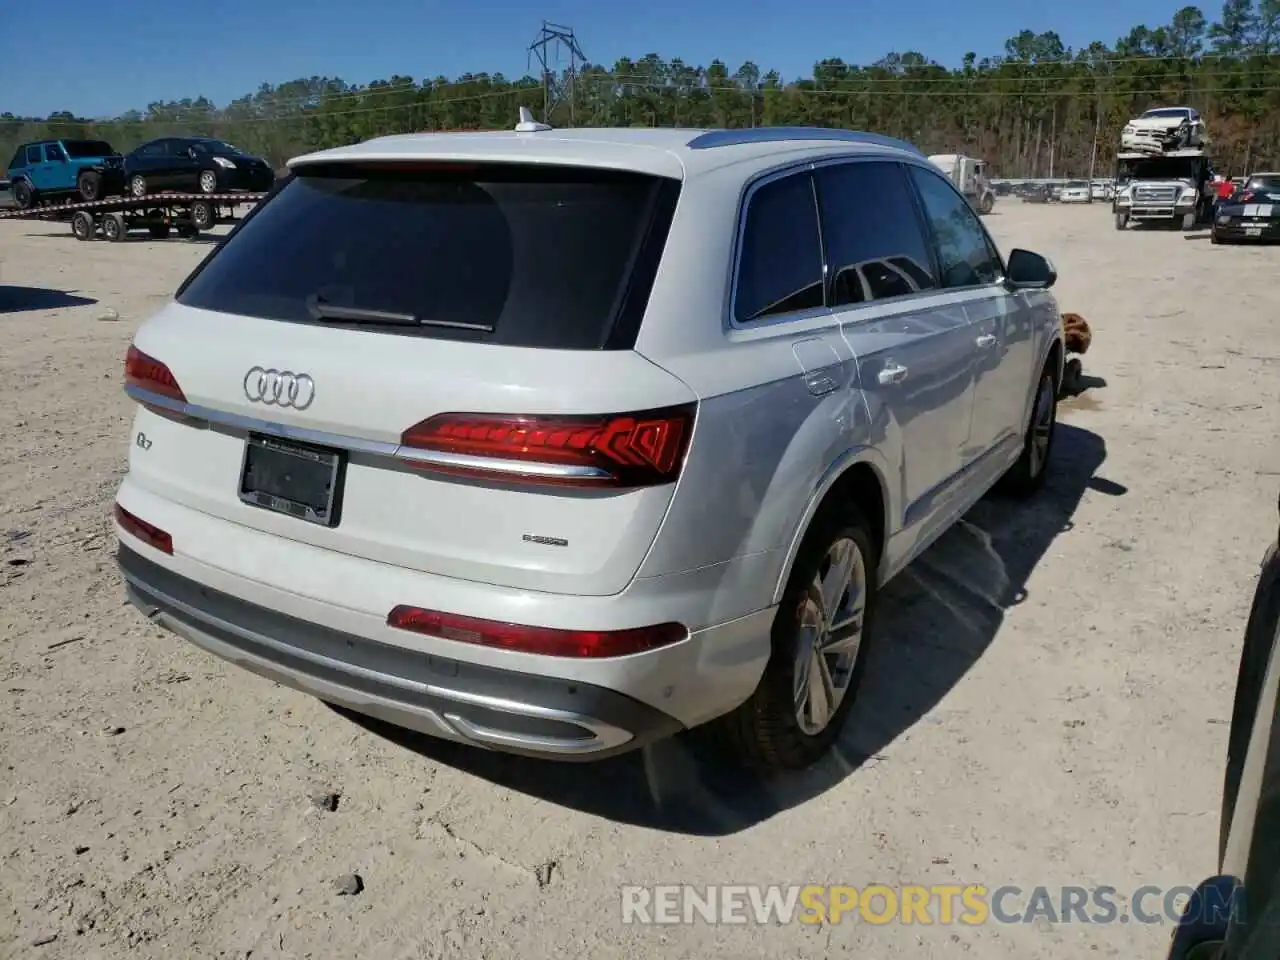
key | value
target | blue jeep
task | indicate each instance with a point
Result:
(65, 170)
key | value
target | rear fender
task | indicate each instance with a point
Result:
(889, 495)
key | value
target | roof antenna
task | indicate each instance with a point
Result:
(527, 124)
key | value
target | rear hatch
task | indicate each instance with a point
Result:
(428, 366)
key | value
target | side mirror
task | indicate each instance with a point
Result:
(1029, 271)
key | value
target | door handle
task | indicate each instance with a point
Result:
(819, 383)
(892, 373)
(987, 340)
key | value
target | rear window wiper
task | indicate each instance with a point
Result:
(321, 309)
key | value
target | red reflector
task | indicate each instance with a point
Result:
(152, 536)
(147, 373)
(625, 450)
(542, 640)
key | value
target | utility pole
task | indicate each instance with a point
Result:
(553, 37)
(1097, 131)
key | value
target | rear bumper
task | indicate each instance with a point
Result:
(253, 181)
(1241, 231)
(452, 699)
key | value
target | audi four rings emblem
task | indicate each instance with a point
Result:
(280, 388)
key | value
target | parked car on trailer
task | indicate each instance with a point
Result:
(1162, 129)
(1251, 213)
(473, 401)
(194, 165)
(64, 169)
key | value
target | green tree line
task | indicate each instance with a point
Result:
(1039, 108)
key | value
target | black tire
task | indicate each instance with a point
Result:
(1214, 237)
(187, 232)
(765, 731)
(208, 181)
(204, 215)
(159, 231)
(138, 186)
(89, 184)
(1027, 474)
(986, 203)
(113, 227)
(82, 225)
(23, 195)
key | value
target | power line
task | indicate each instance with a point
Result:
(427, 105)
(985, 71)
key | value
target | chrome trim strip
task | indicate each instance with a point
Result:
(374, 448)
(516, 468)
(604, 735)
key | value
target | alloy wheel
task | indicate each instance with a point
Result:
(830, 623)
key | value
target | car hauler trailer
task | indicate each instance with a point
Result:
(160, 214)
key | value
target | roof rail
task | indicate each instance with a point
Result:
(733, 138)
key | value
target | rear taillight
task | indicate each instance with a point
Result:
(549, 642)
(625, 450)
(147, 373)
(152, 536)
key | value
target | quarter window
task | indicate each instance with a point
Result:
(875, 247)
(780, 267)
(965, 255)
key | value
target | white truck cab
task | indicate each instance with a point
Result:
(1167, 188)
(970, 177)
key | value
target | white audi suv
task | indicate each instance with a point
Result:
(560, 441)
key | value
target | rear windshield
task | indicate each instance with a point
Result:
(82, 149)
(509, 254)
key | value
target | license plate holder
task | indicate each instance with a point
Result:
(299, 480)
(1253, 231)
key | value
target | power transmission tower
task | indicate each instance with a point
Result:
(552, 39)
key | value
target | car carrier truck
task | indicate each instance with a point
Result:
(1168, 188)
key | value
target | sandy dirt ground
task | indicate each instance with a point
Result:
(1048, 706)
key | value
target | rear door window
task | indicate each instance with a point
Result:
(506, 254)
(780, 266)
(33, 156)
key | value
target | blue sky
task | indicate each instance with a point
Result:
(76, 57)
